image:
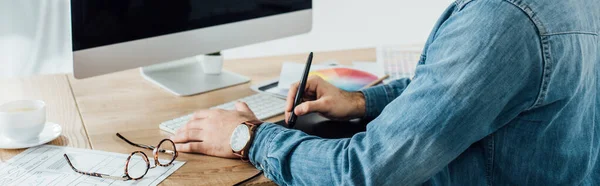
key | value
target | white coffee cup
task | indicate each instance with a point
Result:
(22, 120)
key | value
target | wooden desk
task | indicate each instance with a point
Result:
(126, 103)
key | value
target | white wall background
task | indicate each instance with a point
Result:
(347, 24)
(35, 34)
(34, 37)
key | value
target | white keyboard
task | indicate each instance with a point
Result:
(263, 105)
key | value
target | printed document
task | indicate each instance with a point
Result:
(46, 165)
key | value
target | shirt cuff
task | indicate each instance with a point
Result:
(376, 98)
(263, 140)
(374, 101)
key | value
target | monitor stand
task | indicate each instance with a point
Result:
(186, 77)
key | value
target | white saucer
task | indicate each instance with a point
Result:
(51, 131)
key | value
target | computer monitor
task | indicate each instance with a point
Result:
(163, 36)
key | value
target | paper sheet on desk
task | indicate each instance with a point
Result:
(45, 165)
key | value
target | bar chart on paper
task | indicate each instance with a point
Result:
(398, 62)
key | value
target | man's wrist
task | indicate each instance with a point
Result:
(359, 104)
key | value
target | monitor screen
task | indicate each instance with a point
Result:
(103, 22)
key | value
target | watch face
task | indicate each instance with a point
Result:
(239, 138)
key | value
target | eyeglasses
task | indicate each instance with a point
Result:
(164, 153)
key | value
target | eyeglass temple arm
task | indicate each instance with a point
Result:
(93, 173)
(150, 147)
(135, 144)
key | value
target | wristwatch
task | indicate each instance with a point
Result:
(241, 138)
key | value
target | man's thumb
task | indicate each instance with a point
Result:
(241, 106)
(310, 106)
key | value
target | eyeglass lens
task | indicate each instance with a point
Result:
(166, 153)
(137, 166)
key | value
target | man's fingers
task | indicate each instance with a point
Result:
(187, 135)
(201, 114)
(184, 127)
(194, 147)
(242, 107)
(312, 83)
(311, 86)
(311, 106)
(192, 124)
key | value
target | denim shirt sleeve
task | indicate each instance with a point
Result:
(376, 98)
(481, 66)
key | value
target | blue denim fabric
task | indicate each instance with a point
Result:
(505, 93)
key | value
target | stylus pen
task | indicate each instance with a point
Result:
(300, 92)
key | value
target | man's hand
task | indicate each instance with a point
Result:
(322, 97)
(209, 131)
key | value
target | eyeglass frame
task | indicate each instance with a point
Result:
(127, 177)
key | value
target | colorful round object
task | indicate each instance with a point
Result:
(346, 78)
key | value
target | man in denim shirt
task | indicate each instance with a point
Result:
(505, 93)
